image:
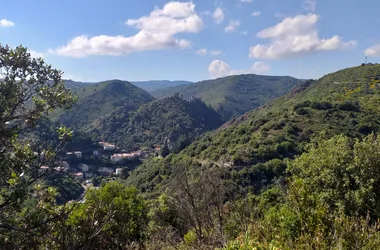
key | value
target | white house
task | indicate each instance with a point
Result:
(119, 171)
(78, 154)
(109, 147)
(78, 176)
(43, 169)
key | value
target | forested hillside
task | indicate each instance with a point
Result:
(254, 145)
(172, 121)
(234, 95)
(95, 100)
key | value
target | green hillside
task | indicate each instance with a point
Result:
(254, 146)
(172, 120)
(234, 95)
(95, 100)
(155, 85)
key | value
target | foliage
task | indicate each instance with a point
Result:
(29, 88)
(172, 120)
(96, 100)
(111, 217)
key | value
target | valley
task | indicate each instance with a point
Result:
(238, 162)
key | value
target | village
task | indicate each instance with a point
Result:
(107, 160)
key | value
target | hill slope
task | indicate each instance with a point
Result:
(101, 98)
(234, 95)
(172, 120)
(151, 86)
(255, 144)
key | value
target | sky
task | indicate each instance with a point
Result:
(193, 40)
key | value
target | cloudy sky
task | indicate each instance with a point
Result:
(194, 40)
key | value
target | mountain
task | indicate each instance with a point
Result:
(98, 99)
(73, 85)
(151, 86)
(234, 95)
(254, 146)
(172, 120)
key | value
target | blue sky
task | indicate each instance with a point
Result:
(194, 40)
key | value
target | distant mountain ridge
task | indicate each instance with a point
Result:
(234, 95)
(155, 85)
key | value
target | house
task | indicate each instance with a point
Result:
(65, 165)
(43, 170)
(59, 169)
(109, 147)
(119, 171)
(116, 157)
(105, 171)
(119, 157)
(78, 176)
(78, 154)
(69, 154)
(85, 168)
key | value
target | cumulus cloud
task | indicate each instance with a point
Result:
(155, 32)
(232, 26)
(218, 15)
(309, 5)
(215, 52)
(203, 52)
(295, 36)
(373, 51)
(218, 68)
(35, 54)
(256, 13)
(6, 23)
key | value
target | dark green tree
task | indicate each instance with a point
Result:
(29, 89)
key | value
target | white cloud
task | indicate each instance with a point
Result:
(373, 51)
(156, 31)
(244, 33)
(256, 13)
(246, 1)
(218, 15)
(309, 5)
(202, 52)
(232, 26)
(6, 23)
(295, 36)
(218, 68)
(35, 54)
(215, 52)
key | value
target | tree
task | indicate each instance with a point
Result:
(165, 151)
(29, 89)
(111, 217)
(199, 203)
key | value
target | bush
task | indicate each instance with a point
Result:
(321, 105)
(349, 106)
